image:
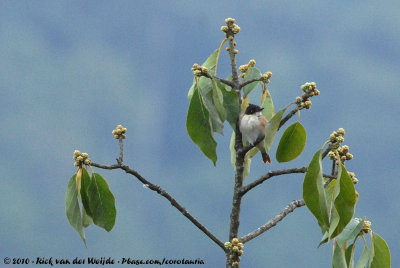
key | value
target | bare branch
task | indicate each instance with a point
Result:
(269, 175)
(273, 173)
(226, 82)
(161, 192)
(271, 223)
(245, 83)
(288, 116)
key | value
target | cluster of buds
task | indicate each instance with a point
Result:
(353, 177)
(344, 153)
(236, 250)
(336, 138)
(244, 68)
(81, 158)
(265, 77)
(366, 228)
(230, 25)
(119, 131)
(199, 70)
(309, 89)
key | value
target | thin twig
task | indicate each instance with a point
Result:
(269, 175)
(289, 115)
(245, 83)
(271, 223)
(160, 191)
(273, 173)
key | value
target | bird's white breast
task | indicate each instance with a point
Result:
(250, 128)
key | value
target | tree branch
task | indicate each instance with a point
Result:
(160, 191)
(245, 83)
(273, 173)
(269, 175)
(271, 223)
(288, 116)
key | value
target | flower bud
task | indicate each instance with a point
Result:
(235, 241)
(341, 131)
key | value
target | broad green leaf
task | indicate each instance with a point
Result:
(350, 232)
(251, 73)
(199, 127)
(101, 202)
(362, 262)
(267, 104)
(218, 100)
(292, 143)
(86, 219)
(72, 208)
(272, 128)
(208, 101)
(339, 257)
(380, 254)
(204, 82)
(314, 192)
(350, 255)
(231, 105)
(345, 199)
(85, 182)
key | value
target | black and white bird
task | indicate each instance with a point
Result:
(252, 126)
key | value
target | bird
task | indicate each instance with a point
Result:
(252, 125)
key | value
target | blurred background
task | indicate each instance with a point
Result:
(73, 70)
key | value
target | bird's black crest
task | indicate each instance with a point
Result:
(252, 109)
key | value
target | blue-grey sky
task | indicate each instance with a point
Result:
(72, 70)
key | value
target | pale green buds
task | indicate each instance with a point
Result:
(235, 248)
(81, 158)
(252, 63)
(199, 70)
(228, 245)
(224, 28)
(341, 131)
(119, 132)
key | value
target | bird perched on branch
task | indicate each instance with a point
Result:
(252, 126)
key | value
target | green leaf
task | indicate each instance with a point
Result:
(292, 143)
(380, 254)
(350, 255)
(251, 73)
(208, 101)
(362, 262)
(199, 127)
(72, 208)
(101, 202)
(267, 104)
(86, 219)
(345, 199)
(218, 100)
(339, 257)
(350, 232)
(210, 64)
(314, 192)
(85, 182)
(272, 128)
(231, 105)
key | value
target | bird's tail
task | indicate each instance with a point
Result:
(264, 154)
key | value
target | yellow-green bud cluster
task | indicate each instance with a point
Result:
(344, 152)
(266, 76)
(235, 249)
(81, 158)
(336, 138)
(367, 226)
(230, 27)
(119, 131)
(199, 70)
(353, 177)
(244, 68)
(310, 89)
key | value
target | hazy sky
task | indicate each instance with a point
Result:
(72, 70)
